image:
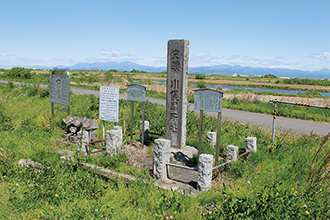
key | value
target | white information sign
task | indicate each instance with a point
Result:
(208, 100)
(136, 93)
(109, 103)
(59, 89)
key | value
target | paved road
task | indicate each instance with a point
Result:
(296, 125)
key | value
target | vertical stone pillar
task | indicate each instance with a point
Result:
(231, 152)
(251, 144)
(145, 132)
(205, 166)
(114, 140)
(82, 140)
(161, 157)
(177, 87)
(211, 138)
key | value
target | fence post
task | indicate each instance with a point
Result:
(145, 133)
(274, 120)
(161, 157)
(114, 140)
(205, 166)
(231, 152)
(251, 144)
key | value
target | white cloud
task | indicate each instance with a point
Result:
(322, 56)
(116, 53)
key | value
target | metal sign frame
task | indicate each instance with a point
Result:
(51, 91)
(133, 99)
(216, 106)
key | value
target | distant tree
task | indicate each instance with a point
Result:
(200, 76)
(18, 72)
(270, 76)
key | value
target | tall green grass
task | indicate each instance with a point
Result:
(290, 182)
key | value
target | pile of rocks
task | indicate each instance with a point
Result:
(75, 124)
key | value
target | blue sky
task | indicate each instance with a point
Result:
(287, 34)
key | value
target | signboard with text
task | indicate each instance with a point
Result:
(208, 100)
(59, 89)
(109, 103)
(136, 93)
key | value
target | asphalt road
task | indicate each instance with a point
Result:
(283, 123)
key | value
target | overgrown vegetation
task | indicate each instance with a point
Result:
(290, 182)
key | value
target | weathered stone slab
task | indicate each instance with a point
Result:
(91, 124)
(231, 152)
(161, 157)
(211, 138)
(177, 87)
(205, 166)
(113, 141)
(251, 144)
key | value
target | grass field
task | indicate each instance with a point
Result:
(285, 180)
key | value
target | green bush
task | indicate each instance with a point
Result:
(201, 84)
(21, 73)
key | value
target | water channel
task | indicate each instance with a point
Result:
(294, 92)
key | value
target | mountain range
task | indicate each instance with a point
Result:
(215, 70)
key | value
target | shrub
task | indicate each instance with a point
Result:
(201, 84)
(200, 76)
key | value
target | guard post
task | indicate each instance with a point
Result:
(136, 93)
(59, 90)
(209, 100)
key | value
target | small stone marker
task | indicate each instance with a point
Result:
(211, 137)
(177, 87)
(205, 166)
(145, 132)
(251, 144)
(114, 140)
(162, 148)
(82, 140)
(231, 152)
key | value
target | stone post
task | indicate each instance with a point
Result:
(146, 132)
(205, 166)
(251, 144)
(114, 140)
(177, 87)
(82, 140)
(161, 157)
(231, 152)
(211, 138)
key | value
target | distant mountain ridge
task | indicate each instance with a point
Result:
(216, 69)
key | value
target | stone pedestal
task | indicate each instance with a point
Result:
(251, 144)
(114, 140)
(211, 138)
(161, 157)
(205, 166)
(231, 152)
(146, 132)
(177, 87)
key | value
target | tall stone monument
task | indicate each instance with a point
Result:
(177, 87)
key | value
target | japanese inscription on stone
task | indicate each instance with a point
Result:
(109, 103)
(136, 93)
(208, 100)
(59, 89)
(176, 100)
